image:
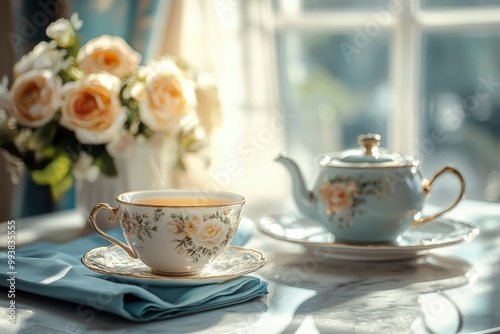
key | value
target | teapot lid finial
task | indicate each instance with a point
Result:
(370, 142)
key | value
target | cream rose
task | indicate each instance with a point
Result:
(84, 168)
(62, 32)
(35, 97)
(92, 108)
(175, 227)
(170, 97)
(43, 56)
(211, 233)
(109, 54)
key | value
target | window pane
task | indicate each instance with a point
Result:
(331, 92)
(316, 5)
(461, 108)
(435, 4)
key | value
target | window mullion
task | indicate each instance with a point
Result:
(330, 21)
(403, 122)
(458, 18)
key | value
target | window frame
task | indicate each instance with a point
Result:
(407, 23)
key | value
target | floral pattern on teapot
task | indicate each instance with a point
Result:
(344, 196)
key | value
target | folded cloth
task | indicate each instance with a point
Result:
(55, 270)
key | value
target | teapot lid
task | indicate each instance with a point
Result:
(369, 154)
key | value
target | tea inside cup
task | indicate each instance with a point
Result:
(175, 232)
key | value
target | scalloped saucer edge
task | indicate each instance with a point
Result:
(232, 263)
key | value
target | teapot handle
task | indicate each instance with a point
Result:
(427, 188)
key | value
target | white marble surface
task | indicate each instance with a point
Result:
(454, 289)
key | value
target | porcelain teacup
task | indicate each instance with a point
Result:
(174, 232)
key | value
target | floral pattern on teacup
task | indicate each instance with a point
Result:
(344, 196)
(196, 236)
(202, 236)
(141, 225)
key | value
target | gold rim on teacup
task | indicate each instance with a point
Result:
(205, 193)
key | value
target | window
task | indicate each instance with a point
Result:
(424, 74)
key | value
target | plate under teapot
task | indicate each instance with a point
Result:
(305, 231)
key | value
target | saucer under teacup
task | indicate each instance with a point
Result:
(114, 261)
(302, 230)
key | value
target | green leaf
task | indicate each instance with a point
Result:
(73, 50)
(42, 136)
(54, 172)
(105, 163)
(58, 189)
(49, 153)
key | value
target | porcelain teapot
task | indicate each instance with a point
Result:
(367, 194)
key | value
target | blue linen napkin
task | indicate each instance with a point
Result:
(55, 270)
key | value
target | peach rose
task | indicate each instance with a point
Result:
(109, 54)
(35, 97)
(338, 196)
(92, 108)
(170, 96)
(211, 233)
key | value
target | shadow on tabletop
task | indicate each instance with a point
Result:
(356, 295)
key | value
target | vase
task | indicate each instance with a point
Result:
(145, 165)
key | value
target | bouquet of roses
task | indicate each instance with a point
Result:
(70, 107)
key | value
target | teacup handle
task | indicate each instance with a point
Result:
(427, 188)
(112, 216)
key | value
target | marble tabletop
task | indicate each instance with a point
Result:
(453, 289)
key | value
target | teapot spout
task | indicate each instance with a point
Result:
(304, 198)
